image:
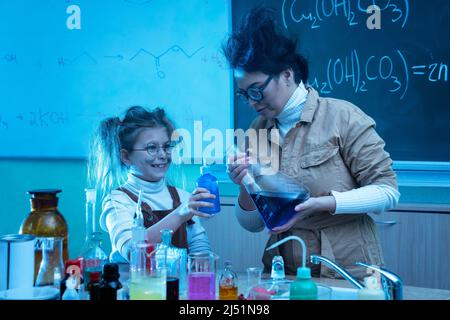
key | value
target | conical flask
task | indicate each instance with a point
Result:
(274, 194)
(93, 256)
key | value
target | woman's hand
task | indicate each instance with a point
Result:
(308, 208)
(191, 208)
(237, 168)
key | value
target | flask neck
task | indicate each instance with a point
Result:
(95, 238)
(90, 221)
(250, 184)
(166, 237)
(39, 204)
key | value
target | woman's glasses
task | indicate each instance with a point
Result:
(254, 93)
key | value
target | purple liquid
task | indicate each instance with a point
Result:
(276, 208)
(202, 286)
(172, 292)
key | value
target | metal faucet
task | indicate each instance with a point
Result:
(315, 259)
(392, 284)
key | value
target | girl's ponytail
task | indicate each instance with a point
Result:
(105, 167)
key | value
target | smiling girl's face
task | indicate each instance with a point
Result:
(143, 165)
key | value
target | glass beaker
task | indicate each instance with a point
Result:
(202, 276)
(170, 256)
(173, 278)
(52, 262)
(253, 278)
(183, 272)
(147, 275)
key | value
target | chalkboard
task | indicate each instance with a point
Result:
(397, 74)
(67, 64)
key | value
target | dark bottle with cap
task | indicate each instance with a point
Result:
(93, 287)
(45, 220)
(110, 284)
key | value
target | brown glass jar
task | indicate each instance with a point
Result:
(45, 220)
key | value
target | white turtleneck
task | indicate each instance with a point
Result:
(290, 114)
(366, 199)
(118, 210)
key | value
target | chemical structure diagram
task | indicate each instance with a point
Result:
(86, 57)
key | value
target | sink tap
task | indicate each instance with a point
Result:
(392, 284)
(316, 259)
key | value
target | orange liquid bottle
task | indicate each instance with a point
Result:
(228, 289)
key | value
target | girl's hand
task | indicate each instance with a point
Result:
(308, 208)
(237, 168)
(191, 208)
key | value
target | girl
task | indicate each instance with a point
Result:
(139, 146)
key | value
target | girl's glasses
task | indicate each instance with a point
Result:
(153, 149)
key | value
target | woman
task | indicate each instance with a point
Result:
(329, 145)
(139, 146)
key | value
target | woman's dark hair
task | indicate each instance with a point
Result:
(258, 44)
(105, 166)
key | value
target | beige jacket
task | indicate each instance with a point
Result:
(334, 146)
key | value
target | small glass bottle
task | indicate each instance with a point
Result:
(277, 273)
(93, 287)
(92, 255)
(208, 181)
(45, 220)
(124, 293)
(228, 289)
(71, 293)
(51, 262)
(110, 283)
(71, 268)
(57, 278)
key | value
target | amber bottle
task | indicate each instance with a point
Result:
(228, 289)
(45, 220)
